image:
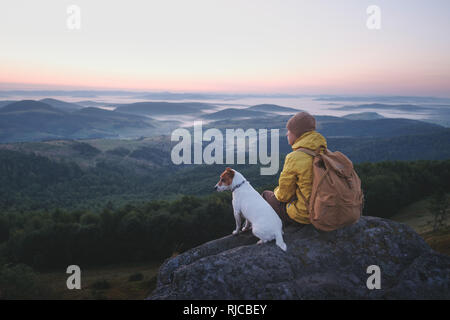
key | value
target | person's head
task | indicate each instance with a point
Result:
(299, 124)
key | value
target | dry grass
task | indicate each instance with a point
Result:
(439, 240)
(110, 282)
(417, 216)
(420, 218)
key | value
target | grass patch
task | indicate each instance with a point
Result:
(439, 240)
(136, 277)
(419, 217)
(109, 282)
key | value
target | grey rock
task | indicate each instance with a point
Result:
(317, 265)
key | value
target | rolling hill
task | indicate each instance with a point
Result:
(363, 116)
(62, 105)
(273, 108)
(377, 128)
(29, 106)
(331, 126)
(6, 102)
(256, 111)
(30, 120)
(233, 113)
(163, 108)
(381, 106)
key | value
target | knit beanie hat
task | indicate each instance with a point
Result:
(300, 123)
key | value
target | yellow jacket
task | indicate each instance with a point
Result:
(297, 174)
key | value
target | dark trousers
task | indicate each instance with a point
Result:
(279, 207)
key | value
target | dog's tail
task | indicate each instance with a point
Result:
(280, 242)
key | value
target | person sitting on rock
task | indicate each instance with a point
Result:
(297, 173)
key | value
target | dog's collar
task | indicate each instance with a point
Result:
(238, 185)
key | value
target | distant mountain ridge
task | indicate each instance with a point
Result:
(6, 102)
(363, 116)
(389, 99)
(29, 106)
(378, 106)
(30, 120)
(163, 108)
(273, 108)
(234, 113)
(62, 105)
(331, 126)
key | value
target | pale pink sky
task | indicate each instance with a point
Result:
(288, 46)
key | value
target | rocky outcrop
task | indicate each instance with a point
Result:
(317, 265)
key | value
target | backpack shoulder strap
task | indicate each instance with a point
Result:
(304, 199)
(314, 154)
(310, 152)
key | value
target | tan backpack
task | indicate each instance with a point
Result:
(336, 197)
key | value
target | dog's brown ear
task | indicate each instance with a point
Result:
(230, 172)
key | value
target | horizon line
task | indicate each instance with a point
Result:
(218, 93)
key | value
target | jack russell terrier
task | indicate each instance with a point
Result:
(248, 203)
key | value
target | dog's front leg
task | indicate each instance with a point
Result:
(247, 225)
(237, 217)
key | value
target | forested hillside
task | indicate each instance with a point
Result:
(152, 230)
(32, 182)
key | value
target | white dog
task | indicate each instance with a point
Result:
(247, 202)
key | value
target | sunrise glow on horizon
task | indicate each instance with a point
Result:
(265, 46)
